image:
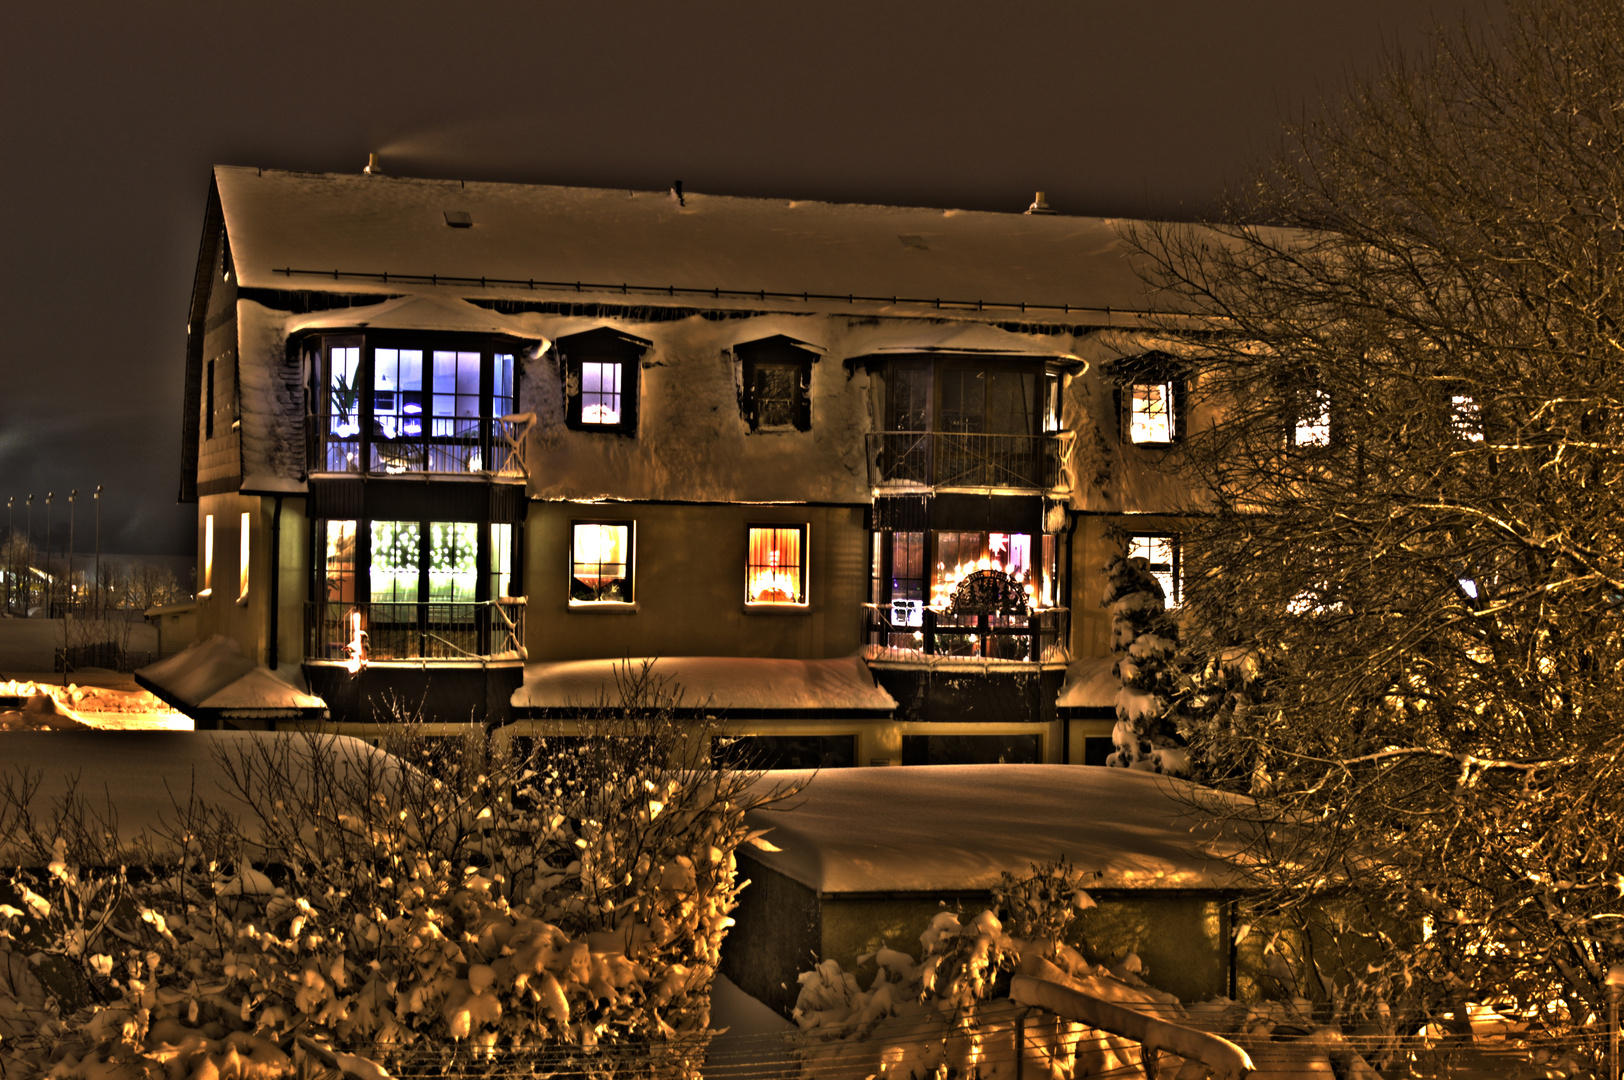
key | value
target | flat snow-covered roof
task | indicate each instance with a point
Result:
(957, 828)
(353, 223)
(213, 678)
(730, 683)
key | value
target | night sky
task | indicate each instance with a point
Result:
(114, 113)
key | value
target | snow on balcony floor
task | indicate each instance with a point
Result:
(945, 828)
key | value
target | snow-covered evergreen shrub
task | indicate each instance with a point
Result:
(567, 901)
(1144, 639)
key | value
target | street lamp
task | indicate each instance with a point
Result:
(71, 590)
(50, 583)
(28, 593)
(100, 605)
(11, 552)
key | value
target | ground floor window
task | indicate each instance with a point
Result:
(601, 562)
(972, 749)
(419, 588)
(775, 567)
(784, 751)
(1161, 554)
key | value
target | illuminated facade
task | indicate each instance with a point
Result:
(469, 444)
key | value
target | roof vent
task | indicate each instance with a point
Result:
(374, 166)
(1039, 206)
(459, 219)
(676, 190)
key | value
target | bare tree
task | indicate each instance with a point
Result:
(1411, 519)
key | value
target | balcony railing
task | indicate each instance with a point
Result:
(453, 445)
(460, 630)
(954, 459)
(906, 632)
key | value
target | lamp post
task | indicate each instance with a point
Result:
(28, 593)
(73, 494)
(101, 605)
(50, 582)
(11, 552)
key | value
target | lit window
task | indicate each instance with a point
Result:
(1466, 417)
(775, 570)
(208, 556)
(1313, 424)
(960, 554)
(601, 563)
(1161, 555)
(1150, 418)
(244, 546)
(600, 392)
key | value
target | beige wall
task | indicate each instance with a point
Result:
(688, 584)
(246, 618)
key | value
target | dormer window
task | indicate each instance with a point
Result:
(600, 380)
(1152, 389)
(775, 392)
(1312, 426)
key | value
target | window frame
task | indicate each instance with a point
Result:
(803, 568)
(604, 345)
(1174, 568)
(630, 577)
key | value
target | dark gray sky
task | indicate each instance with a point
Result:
(114, 113)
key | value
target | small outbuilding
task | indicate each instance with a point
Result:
(867, 856)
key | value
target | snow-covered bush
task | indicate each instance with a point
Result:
(567, 900)
(1144, 640)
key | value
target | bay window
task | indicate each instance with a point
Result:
(421, 588)
(390, 402)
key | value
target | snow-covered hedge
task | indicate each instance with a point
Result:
(361, 906)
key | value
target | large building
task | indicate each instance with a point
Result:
(851, 472)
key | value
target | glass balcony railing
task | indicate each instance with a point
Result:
(494, 447)
(956, 459)
(438, 630)
(907, 632)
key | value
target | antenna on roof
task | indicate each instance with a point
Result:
(1039, 206)
(374, 166)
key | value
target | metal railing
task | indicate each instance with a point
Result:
(955, 459)
(891, 632)
(437, 630)
(478, 446)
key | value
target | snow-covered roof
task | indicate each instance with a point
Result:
(1089, 684)
(731, 683)
(956, 828)
(354, 223)
(141, 774)
(212, 678)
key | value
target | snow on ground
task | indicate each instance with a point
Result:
(37, 704)
(141, 774)
(932, 827)
(719, 682)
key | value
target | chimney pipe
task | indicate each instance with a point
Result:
(374, 167)
(1039, 206)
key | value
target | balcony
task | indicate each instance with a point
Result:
(942, 459)
(907, 632)
(454, 445)
(471, 630)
